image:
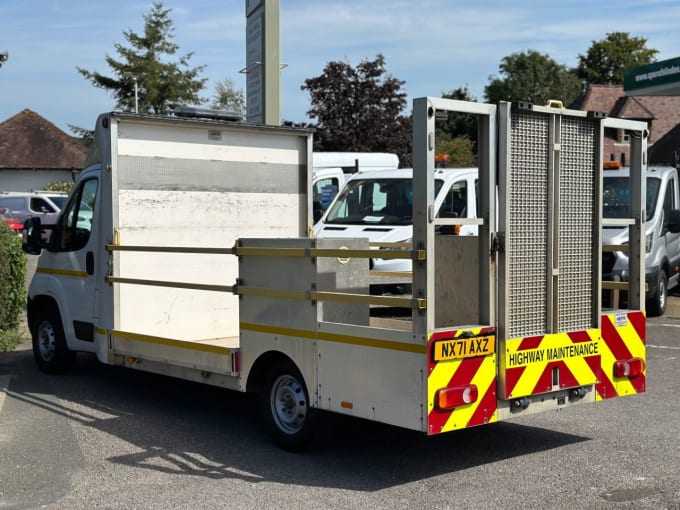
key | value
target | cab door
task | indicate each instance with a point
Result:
(71, 259)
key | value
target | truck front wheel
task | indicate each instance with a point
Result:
(50, 351)
(286, 408)
(657, 305)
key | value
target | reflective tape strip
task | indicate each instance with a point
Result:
(169, 342)
(541, 364)
(334, 337)
(62, 272)
(623, 337)
(479, 371)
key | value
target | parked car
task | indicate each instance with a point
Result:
(11, 220)
(43, 204)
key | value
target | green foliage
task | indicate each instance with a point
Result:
(460, 151)
(606, 60)
(10, 339)
(162, 85)
(458, 124)
(456, 136)
(86, 136)
(12, 278)
(59, 187)
(359, 109)
(533, 77)
(228, 98)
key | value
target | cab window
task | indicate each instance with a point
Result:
(455, 202)
(76, 222)
(40, 205)
(668, 202)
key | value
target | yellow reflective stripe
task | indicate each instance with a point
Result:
(483, 379)
(101, 331)
(333, 337)
(439, 378)
(62, 272)
(169, 342)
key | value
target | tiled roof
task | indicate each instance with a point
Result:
(661, 112)
(28, 141)
(599, 98)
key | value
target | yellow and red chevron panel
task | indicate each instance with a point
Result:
(623, 351)
(545, 363)
(461, 381)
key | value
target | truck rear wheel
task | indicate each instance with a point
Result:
(657, 305)
(286, 408)
(50, 351)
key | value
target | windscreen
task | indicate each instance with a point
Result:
(381, 201)
(616, 197)
(59, 201)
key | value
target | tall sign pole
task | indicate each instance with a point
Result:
(263, 62)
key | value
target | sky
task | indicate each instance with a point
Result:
(435, 46)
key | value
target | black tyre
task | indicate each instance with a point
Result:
(49, 343)
(656, 306)
(286, 408)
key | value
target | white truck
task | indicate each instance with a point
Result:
(167, 259)
(378, 205)
(662, 246)
(331, 171)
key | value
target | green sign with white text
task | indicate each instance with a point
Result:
(659, 78)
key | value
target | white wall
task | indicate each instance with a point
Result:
(32, 180)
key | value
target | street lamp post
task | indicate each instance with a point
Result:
(136, 95)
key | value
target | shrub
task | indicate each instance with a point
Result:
(9, 340)
(12, 280)
(59, 187)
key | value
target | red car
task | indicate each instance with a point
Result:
(12, 222)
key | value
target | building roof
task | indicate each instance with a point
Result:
(599, 98)
(661, 112)
(28, 141)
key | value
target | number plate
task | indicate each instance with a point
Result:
(458, 348)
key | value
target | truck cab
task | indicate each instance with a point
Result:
(662, 257)
(378, 205)
(332, 170)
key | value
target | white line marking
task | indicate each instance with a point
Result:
(4, 384)
(672, 347)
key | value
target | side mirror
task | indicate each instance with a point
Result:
(32, 242)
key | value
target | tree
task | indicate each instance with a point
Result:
(456, 137)
(533, 77)
(359, 109)
(606, 60)
(228, 98)
(162, 84)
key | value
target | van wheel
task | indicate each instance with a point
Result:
(657, 305)
(286, 408)
(49, 343)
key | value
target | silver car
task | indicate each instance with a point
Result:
(45, 205)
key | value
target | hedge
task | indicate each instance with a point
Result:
(12, 280)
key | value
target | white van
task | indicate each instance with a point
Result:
(662, 258)
(331, 170)
(378, 205)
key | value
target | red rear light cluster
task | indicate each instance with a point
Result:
(456, 396)
(629, 367)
